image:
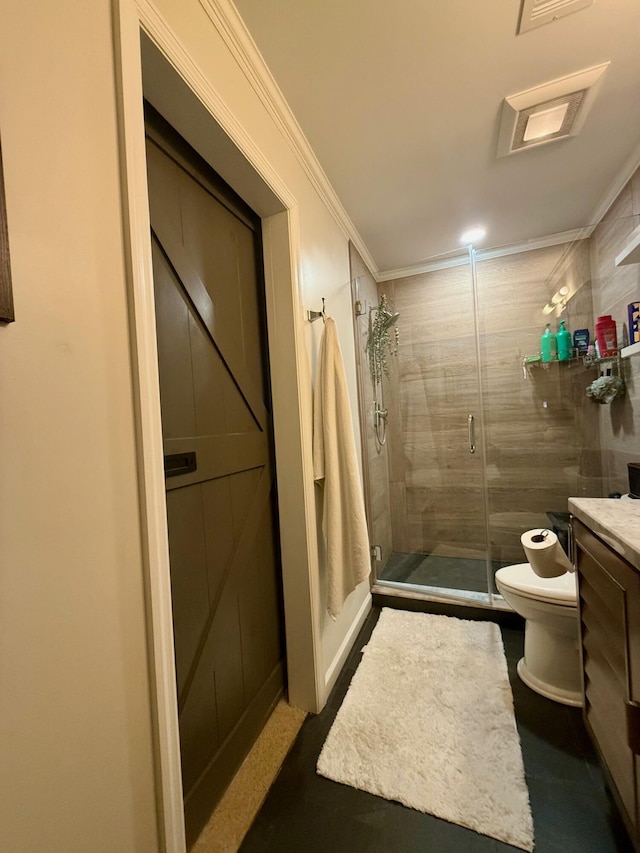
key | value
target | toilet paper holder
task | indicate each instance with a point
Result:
(540, 537)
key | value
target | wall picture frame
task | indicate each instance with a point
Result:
(6, 291)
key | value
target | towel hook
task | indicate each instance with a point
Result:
(315, 315)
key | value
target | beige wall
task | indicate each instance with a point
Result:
(75, 710)
(75, 721)
(613, 289)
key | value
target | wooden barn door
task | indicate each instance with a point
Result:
(217, 431)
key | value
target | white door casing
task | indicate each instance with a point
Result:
(291, 389)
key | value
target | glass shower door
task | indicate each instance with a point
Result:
(542, 434)
(436, 476)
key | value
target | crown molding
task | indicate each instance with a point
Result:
(620, 181)
(231, 27)
(418, 269)
(487, 254)
(181, 61)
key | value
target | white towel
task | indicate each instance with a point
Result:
(334, 461)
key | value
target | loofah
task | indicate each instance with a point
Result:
(606, 388)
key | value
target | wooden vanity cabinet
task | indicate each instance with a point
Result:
(609, 611)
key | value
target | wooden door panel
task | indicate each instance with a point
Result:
(217, 515)
(163, 183)
(200, 396)
(211, 382)
(254, 670)
(198, 722)
(223, 334)
(215, 404)
(174, 353)
(211, 242)
(260, 505)
(224, 646)
(220, 407)
(218, 455)
(228, 257)
(189, 575)
(245, 486)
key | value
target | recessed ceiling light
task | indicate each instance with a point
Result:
(552, 111)
(545, 122)
(472, 235)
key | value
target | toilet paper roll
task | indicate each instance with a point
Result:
(544, 553)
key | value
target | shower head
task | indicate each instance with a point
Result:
(390, 319)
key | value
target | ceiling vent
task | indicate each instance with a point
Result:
(535, 13)
(549, 112)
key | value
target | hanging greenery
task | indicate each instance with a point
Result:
(382, 340)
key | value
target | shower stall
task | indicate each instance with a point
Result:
(481, 444)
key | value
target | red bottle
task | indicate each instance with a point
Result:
(606, 336)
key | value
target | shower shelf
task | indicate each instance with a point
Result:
(585, 360)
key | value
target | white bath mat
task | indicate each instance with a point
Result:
(428, 721)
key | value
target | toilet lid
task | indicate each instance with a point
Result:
(522, 579)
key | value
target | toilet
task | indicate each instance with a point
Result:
(551, 663)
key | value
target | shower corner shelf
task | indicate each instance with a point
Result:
(585, 360)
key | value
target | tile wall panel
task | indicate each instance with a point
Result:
(613, 288)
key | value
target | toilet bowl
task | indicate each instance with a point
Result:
(551, 663)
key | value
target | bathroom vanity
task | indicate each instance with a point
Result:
(606, 540)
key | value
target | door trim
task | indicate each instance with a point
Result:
(291, 394)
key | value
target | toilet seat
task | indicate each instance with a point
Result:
(524, 581)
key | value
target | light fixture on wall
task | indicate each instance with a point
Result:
(473, 235)
(558, 301)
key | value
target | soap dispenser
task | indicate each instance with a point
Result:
(563, 340)
(548, 345)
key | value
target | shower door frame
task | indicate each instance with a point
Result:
(487, 599)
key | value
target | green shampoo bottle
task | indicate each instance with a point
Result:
(563, 339)
(548, 345)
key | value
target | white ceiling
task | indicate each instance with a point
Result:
(401, 102)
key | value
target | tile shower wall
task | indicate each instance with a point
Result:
(376, 471)
(541, 433)
(613, 288)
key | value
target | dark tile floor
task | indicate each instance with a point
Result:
(572, 811)
(443, 572)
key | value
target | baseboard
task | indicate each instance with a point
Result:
(342, 654)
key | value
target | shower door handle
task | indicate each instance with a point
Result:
(472, 434)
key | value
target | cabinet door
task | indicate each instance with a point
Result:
(609, 604)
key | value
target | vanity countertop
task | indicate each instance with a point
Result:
(616, 521)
